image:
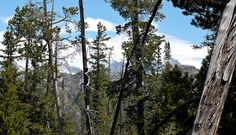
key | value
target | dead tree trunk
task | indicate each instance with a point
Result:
(219, 75)
(52, 67)
(85, 68)
(57, 93)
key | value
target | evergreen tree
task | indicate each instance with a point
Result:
(134, 11)
(30, 31)
(152, 60)
(158, 60)
(13, 116)
(99, 80)
(98, 58)
(27, 26)
(170, 106)
(167, 52)
(228, 116)
(167, 55)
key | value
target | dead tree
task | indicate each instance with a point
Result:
(219, 75)
(85, 67)
(52, 81)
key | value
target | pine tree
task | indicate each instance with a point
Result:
(152, 60)
(167, 56)
(133, 11)
(28, 25)
(167, 52)
(13, 116)
(99, 80)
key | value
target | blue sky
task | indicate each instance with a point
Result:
(176, 27)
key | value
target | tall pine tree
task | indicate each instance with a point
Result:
(99, 82)
(13, 112)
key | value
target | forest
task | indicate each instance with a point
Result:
(147, 93)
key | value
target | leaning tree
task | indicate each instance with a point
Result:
(219, 77)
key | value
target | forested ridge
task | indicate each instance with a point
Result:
(148, 93)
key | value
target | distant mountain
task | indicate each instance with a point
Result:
(64, 68)
(116, 69)
(174, 62)
(191, 70)
(70, 90)
(116, 66)
(73, 94)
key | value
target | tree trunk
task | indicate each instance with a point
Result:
(52, 67)
(27, 65)
(109, 62)
(139, 71)
(125, 76)
(85, 67)
(49, 44)
(219, 75)
(57, 95)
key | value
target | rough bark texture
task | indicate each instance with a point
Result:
(219, 75)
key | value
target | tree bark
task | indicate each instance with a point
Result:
(52, 67)
(57, 94)
(49, 44)
(27, 65)
(139, 71)
(85, 67)
(219, 75)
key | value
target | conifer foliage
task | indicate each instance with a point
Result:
(149, 95)
(13, 116)
(99, 76)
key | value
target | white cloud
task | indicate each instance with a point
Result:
(1, 39)
(76, 59)
(92, 22)
(182, 51)
(92, 25)
(116, 43)
(1, 35)
(5, 19)
(71, 26)
(71, 56)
